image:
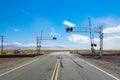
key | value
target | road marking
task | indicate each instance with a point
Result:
(53, 75)
(56, 70)
(100, 69)
(56, 77)
(19, 67)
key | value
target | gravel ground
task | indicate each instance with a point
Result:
(9, 62)
(110, 63)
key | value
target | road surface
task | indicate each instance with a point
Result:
(56, 66)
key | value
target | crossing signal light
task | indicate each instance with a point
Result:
(93, 45)
(54, 38)
(69, 29)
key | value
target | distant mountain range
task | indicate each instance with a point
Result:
(14, 47)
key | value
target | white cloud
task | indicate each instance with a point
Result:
(16, 30)
(17, 43)
(55, 45)
(79, 39)
(112, 29)
(69, 24)
(20, 44)
(112, 42)
(106, 21)
(112, 37)
(53, 32)
(29, 45)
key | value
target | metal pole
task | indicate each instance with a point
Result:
(91, 38)
(37, 39)
(90, 31)
(40, 41)
(1, 44)
(101, 41)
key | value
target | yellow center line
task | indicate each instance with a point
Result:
(56, 70)
(53, 75)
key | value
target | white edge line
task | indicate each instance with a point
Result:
(100, 69)
(18, 67)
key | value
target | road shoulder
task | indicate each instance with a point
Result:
(110, 67)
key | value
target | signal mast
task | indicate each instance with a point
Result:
(91, 31)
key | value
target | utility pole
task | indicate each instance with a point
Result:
(1, 44)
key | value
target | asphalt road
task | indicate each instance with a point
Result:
(56, 66)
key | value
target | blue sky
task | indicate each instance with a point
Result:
(22, 20)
